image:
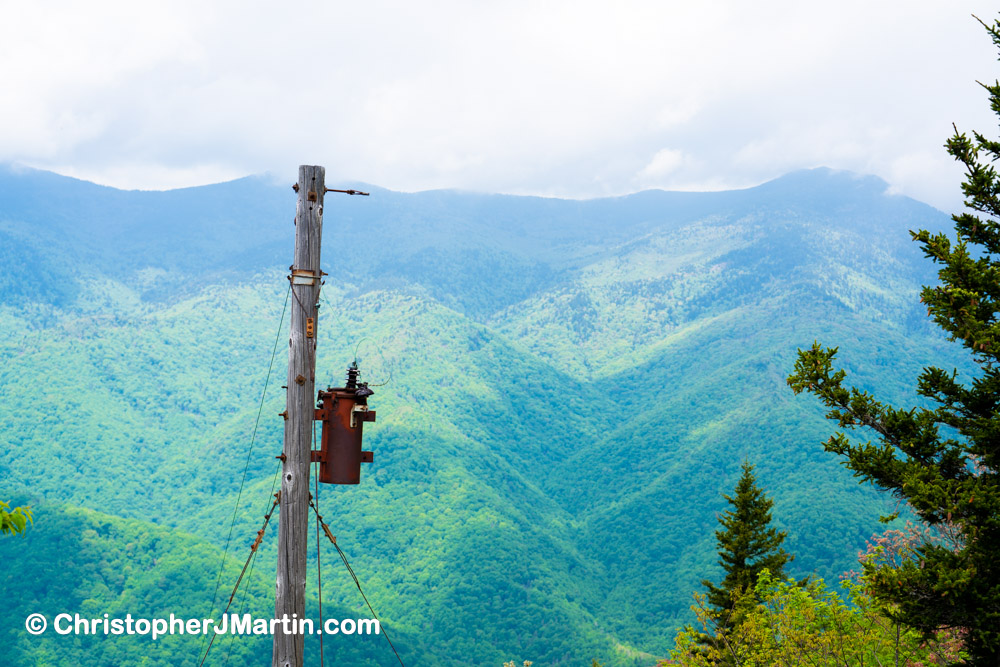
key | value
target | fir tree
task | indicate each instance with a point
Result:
(747, 546)
(948, 476)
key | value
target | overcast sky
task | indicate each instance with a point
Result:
(576, 99)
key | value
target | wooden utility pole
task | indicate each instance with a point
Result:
(290, 593)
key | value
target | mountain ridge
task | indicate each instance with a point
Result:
(573, 386)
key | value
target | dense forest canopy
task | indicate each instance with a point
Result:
(573, 387)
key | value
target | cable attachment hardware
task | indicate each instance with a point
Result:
(326, 528)
(348, 192)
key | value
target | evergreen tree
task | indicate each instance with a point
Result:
(747, 546)
(949, 475)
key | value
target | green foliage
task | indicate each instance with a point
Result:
(944, 460)
(787, 623)
(14, 521)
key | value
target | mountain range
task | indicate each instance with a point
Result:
(565, 391)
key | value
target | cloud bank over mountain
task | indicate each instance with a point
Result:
(577, 99)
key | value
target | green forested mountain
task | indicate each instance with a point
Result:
(571, 386)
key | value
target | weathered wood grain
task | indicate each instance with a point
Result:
(294, 508)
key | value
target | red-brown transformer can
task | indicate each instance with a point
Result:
(343, 411)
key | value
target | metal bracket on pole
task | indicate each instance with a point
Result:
(304, 277)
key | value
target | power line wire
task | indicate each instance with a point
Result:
(253, 551)
(319, 571)
(350, 570)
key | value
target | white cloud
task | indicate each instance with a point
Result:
(568, 98)
(665, 162)
(930, 176)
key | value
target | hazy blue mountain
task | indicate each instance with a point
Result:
(572, 385)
